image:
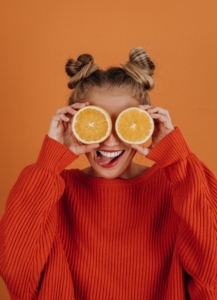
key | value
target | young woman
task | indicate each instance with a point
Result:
(115, 230)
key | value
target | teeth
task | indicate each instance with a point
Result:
(110, 154)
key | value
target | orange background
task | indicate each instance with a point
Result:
(37, 38)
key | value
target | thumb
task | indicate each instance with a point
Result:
(90, 147)
(141, 150)
(81, 149)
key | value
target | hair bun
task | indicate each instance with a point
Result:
(74, 66)
(80, 69)
(85, 58)
(140, 67)
(138, 56)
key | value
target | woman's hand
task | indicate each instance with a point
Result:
(163, 126)
(61, 129)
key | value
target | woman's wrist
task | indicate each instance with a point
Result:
(54, 156)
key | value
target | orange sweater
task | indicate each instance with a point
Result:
(69, 236)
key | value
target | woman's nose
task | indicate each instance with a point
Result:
(113, 139)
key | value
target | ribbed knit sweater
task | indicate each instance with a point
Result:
(68, 236)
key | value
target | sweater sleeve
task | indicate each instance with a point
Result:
(28, 226)
(195, 201)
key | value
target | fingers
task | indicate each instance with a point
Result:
(159, 114)
(140, 149)
(61, 117)
(156, 109)
(159, 111)
(81, 148)
(163, 119)
(163, 126)
(65, 113)
(71, 109)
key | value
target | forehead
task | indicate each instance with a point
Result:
(112, 102)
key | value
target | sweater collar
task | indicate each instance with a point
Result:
(96, 181)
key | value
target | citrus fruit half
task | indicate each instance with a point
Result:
(134, 125)
(91, 124)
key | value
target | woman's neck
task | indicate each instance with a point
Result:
(133, 171)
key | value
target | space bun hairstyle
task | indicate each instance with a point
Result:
(80, 69)
(133, 78)
(140, 68)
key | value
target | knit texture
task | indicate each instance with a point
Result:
(66, 235)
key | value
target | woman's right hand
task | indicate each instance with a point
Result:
(61, 129)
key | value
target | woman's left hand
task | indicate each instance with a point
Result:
(163, 126)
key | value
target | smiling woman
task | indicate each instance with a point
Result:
(117, 229)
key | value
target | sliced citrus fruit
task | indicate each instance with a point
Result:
(134, 125)
(91, 124)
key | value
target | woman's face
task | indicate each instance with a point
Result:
(113, 158)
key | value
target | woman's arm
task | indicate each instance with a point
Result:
(195, 201)
(28, 226)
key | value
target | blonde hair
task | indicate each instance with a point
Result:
(134, 77)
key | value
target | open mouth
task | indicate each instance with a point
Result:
(108, 159)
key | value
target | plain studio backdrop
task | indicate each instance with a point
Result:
(38, 37)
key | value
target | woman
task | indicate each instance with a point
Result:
(115, 230)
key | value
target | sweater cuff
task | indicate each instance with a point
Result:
(170, 149)
(55, 156)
